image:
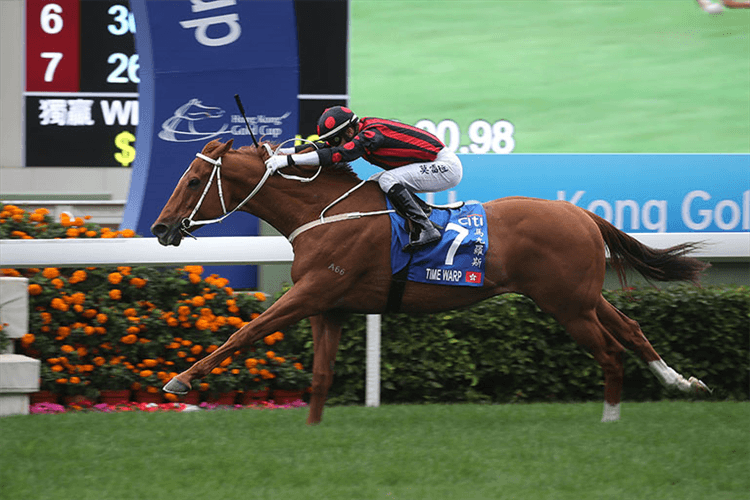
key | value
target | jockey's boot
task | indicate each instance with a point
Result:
(423, 231)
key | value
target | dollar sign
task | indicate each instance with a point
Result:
(127, 154)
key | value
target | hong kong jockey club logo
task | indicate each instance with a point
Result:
(195, 121)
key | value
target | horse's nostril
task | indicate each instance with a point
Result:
(159, 230)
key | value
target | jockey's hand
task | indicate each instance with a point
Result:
(276, 162)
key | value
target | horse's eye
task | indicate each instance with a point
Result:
(194, 183)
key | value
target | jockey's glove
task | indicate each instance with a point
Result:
(305, 159)
(276, 162)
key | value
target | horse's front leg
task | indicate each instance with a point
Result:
(288, 310)
(326, 330)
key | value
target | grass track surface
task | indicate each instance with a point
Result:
(573, 76)
(665, 450)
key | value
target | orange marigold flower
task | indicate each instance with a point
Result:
(251, 362)
(78, 276)
(75, 380)
(193, 269)
(218, 371)
(89, 330)
(59, 304)
(138, 282)
(99, 361)
(211, 348)
(115, 294)
(28, 339)
(46, 318)
(172, 322)
(63, 331)
(254, 315)
(82, 351)
(267, 374)
(90, 234)
(67, 348)
(130, 311)
(226, 362)
(269, 340)
(298, 366)
(196, 349)
(57, 368)
(194, 278)
(58, 283)
(202, 324)
(101, 318)
(129, 339)
(71, 232)
(150, 363)
(127, 233)
(270, 354)
(146, 373)
(78, 298)
(260, 296)
(183, 310)
(199, 301)
(132, 330)
(124, 270)
(89, 313)
(114, 278)
(10, 273)
(35, 289)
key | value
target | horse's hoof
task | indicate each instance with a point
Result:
(174, 386)
(698, 386)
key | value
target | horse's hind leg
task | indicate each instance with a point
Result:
(588, 332)
(629, 333)
(326, 330)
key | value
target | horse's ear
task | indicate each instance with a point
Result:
(223, 148)
(211, 146)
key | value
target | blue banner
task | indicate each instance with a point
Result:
(195, 56)
(638, 193)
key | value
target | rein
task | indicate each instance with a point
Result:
(188, 222)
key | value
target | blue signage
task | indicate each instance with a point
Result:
(638, 193)
(195, 56)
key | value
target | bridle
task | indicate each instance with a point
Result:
(188, 222)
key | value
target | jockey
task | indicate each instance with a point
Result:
(413, 160)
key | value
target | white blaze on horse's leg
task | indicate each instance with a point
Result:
(611, 412)
(668, 377)
(372, 377)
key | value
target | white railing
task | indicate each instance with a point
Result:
(244, 250)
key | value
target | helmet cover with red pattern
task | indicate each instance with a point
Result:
(333, 122)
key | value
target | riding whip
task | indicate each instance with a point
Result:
(242, 112)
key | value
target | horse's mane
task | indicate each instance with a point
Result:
(342, 168)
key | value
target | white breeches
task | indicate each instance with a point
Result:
(429, 177)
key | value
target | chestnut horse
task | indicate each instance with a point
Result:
(550, 251)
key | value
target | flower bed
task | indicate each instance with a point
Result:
(97, 329)
(52, 408)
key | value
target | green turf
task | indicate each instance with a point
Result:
(666, 450)
(658, 76)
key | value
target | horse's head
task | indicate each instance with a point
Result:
(199, 195)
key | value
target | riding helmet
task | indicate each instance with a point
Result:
(332, 123)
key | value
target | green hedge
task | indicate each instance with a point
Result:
(506, 350)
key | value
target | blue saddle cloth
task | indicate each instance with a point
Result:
(457, 259)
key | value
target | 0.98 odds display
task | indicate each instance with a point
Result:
(81, 95)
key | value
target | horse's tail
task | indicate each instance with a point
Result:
(668, 264)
